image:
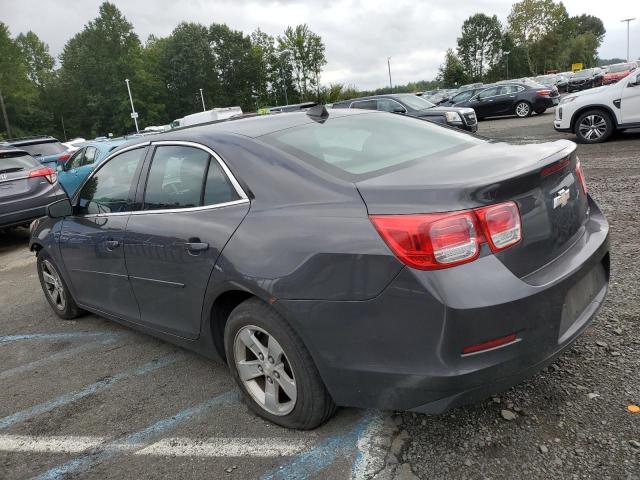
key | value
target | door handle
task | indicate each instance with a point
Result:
(111, 244)
(196, 247)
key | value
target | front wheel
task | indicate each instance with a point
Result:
(273, 368)
(594, 126)
(523, 109)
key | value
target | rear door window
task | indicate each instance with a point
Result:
(365, 105)
(389, 105)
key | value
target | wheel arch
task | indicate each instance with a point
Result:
(586, 108)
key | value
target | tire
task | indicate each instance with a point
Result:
(254, 321)
(55, 288)
(540, 111)
(522, 109)
(593, 126)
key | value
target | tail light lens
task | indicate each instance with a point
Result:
(443, 240)
(64, 157)
(544, 93)
(580, 175)
(46, 172)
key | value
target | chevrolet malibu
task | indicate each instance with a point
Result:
(356, 258)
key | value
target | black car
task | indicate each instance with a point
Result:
(585, 79)
(519, 99)
(352, 258)
(461, 96)
(414, 106)
(26, 187)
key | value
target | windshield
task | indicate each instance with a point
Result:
(366, 143)
(44, 149)
(16, 161)
(583, 73)
(415, 102)
(619, 68)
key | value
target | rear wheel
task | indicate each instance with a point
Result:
(55, 289)
(274, 370)
(594, 126)
(523, 109)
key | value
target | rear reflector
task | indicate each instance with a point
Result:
(580, 175)
(496, 342)
(46, 172)
(442, 240)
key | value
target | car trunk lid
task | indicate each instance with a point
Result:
(540, 178)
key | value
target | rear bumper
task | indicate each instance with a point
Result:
(403, 349)
(18, 215)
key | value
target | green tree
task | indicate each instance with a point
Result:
(587, 24)
(479, 45)
(452, 73)
(303, 50)
(36, 58)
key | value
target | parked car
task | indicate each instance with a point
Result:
(293, 107)
(470, 86)
(463, 96)
(26, 187)
(584, 79)
(48, 150)
(213, 115)
(73, 172)
(349, 258)
(618, 72)
(593, 115)
(414, 106)
(556, 80)
(517, 99)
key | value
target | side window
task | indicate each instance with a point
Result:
(89, 155)
(365, 105)
(388, 105)
(176, 178)
(218, 188)
(76, 160)
(462, 97)
(109, 189)
(489, 92)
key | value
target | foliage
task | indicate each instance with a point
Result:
(452, 72)
(480, 44)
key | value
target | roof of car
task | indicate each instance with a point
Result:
(32, 140)
(4, 149)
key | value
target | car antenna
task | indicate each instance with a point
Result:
(319, 113)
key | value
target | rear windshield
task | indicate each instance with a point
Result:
(619, 68)
(367, 143)
(44, 149)
(16, 161)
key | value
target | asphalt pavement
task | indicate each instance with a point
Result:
(91, 399)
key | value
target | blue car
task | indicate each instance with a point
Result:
(82, 162)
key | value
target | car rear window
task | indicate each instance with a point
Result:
(16, 161)
(44, 149)
(619, 68)
(367, 143)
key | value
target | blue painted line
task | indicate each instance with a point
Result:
(141, 438)
(72, 352)
(52, 336)
(86, 391)
(322, 455)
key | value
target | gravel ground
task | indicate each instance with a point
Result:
(569, 421)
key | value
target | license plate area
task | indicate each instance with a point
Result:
(580, 298)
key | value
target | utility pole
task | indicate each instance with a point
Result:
(204, 109)
(63, 129)
(628, 20)
(4, 114)
(507, 54)
(134, 115)
(389, 68)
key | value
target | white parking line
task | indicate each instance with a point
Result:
(181, 447)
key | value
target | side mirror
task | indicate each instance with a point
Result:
(399, 110)
(61, 208)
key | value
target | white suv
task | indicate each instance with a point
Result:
(593, 115)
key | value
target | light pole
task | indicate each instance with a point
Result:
(507, 54)
(628, 20)
(389, 67)
(204, 109)
(134, 115)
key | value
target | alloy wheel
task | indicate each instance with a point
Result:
(592, 127)
(522, 109)
(264, 370)
(53, 285)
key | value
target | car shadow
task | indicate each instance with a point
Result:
(13, 237)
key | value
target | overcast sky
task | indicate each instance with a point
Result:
(359, 34)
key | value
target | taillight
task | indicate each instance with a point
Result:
(501, 225)
(443, 240)
(544, 93)
(64, 157)
(46, 172)
(580, 175)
